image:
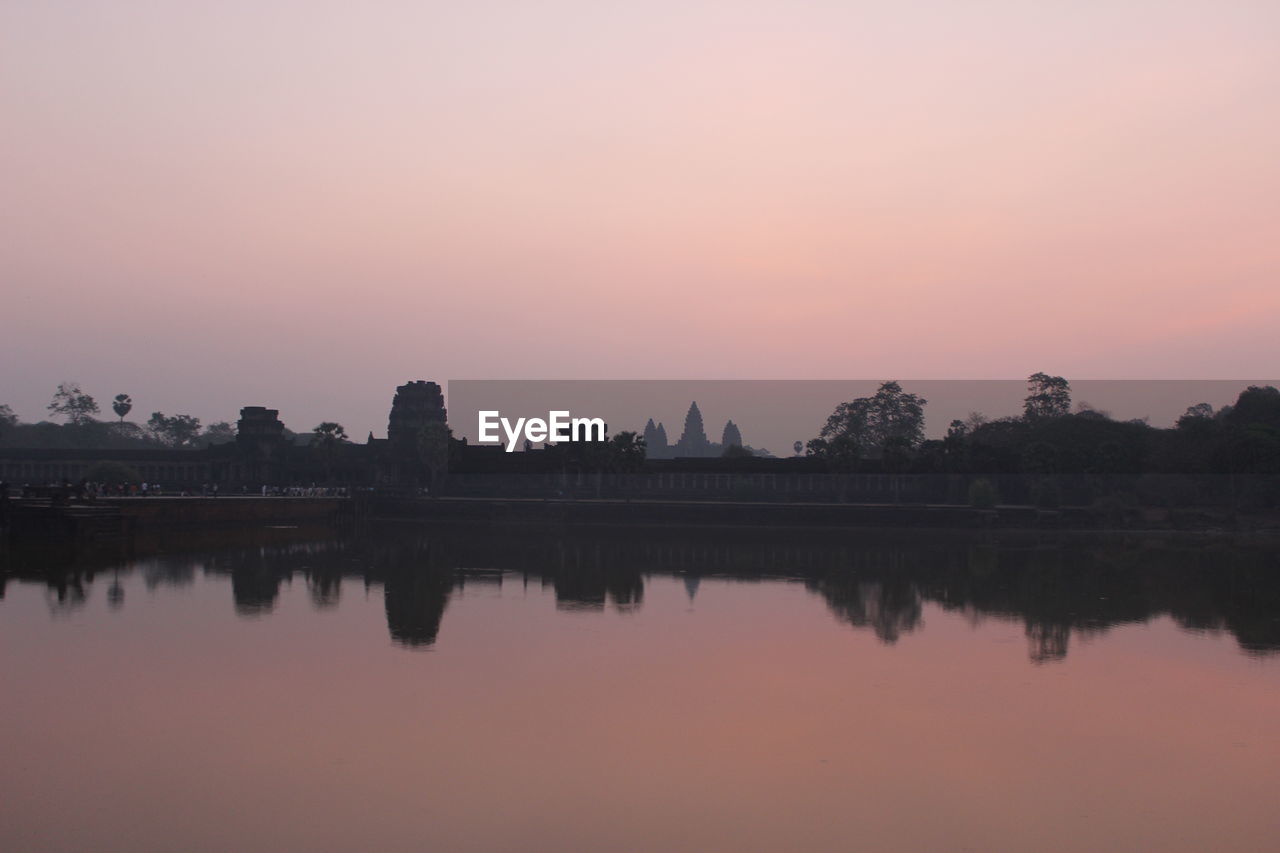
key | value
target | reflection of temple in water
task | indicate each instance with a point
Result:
(415, 603)
(869, 581)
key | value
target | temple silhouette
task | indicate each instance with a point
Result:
(693, 442)
(414, 453)
(1081, 468)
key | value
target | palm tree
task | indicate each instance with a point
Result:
(122, 405)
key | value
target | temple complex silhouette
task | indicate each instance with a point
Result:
(693, 442)
(413, 454)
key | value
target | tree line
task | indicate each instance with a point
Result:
(885, 432)
(81, 428)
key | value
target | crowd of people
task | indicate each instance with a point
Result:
(312, 491)
(87, 490)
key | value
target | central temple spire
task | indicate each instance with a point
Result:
(693, 441)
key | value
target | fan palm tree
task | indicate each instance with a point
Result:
(122, 405)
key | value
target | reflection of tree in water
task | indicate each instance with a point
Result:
(588, 573)
(591, 588)
(325, 587)
(169, 571)
(1056, 588)
(66, 594)
(258, 572)
(891, 607)
(115, 594)
(691, 583)
(1055, 592)
(1235, 590)
(873, 587)
(1047, 642)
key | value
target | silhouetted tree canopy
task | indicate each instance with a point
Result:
(626, 452)
(175, 431)
(1049, 397)
(219, 432)
(73, 404)
(329, 433)
(1256, 406)
(891, 420)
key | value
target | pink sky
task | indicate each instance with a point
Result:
(305, 204)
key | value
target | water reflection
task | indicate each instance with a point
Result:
(415, 602)
(890, 607)
(1059, 589)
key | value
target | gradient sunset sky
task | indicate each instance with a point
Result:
(302, 205)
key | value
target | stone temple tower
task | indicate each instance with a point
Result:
(261, 442)
(693, 441)
(417, 405)
(418, 435)
(655, 440)
(732, 436)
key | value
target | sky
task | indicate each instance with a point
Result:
(303, 205)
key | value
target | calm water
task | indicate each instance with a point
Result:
(597, 691)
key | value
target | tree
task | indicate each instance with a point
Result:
(1257, 404)
(840, 452)
(973, 422)
(127, 433)
(122, 405)
(218, 433)
(1254, 438)
(329, 433)
(73, 404)
(890, 416)
(176, 431)
(626, 452)
(1199, 413)
(7, 417)
(327, 436)
(954, 445)
(1085, 409)
(1049, 397)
